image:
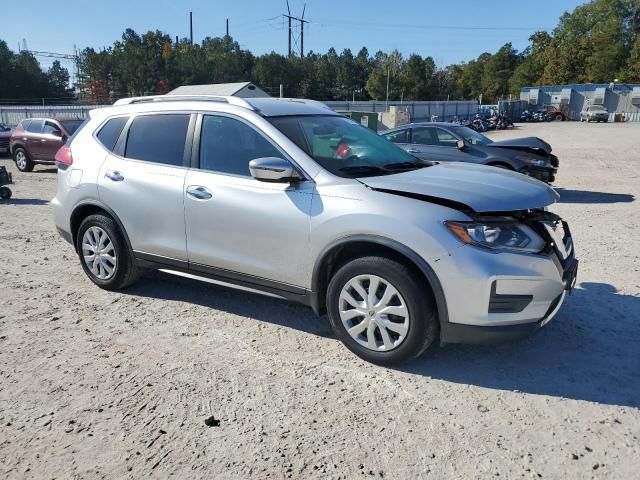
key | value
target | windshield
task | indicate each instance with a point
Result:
(4, 128)
(71, 125)
(597, 108)
(344, 147)
(471, 136)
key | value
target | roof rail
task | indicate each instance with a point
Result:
(237, 101)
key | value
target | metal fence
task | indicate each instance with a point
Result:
(446, 111)
(11, 115)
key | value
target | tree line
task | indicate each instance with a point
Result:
(597, 42)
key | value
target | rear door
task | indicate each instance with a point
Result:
(142, 181)
(33, 139)
(237, 224)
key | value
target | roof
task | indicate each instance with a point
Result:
(225, 89)
(266, 106)
(281, 107)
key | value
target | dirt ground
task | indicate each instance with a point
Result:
(96, 384)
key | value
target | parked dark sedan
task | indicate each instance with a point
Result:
(448, 142)
(36, 140)
(5, 135)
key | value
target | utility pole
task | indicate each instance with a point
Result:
(302, 22)
(191, 27)
(386, 103)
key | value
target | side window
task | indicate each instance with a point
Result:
(158, 138)
(424, 136)
(400, 136)
(110, 132)
(35, 126)
(445, 139)
(51, 128)
(228, 145)
(24, 124)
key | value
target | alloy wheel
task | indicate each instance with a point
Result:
(98, 253)
(21, 160)
(374, 313)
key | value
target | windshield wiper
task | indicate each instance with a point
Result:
(405, 165)
(363, 170)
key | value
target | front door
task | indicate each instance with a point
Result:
(237, 224)
(50, 140)
(143, 182)
(435, 143)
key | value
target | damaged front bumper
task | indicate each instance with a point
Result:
(508, 295)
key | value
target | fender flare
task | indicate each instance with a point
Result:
(110, 212)
(417, 260)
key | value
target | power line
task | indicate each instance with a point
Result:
(331, 22)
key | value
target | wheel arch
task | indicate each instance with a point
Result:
(83, 210)
(341, 251)
(500, 163)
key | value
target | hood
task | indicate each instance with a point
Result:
(525, 143)
(479, 188)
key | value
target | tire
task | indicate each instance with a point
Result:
(419, 321)
(23, 162)
(124, 271)
(5, 193)
(559, 118)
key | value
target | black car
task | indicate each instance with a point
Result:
(448, 142)
(5, 135)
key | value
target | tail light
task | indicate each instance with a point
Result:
(63, 158)
(343, 150)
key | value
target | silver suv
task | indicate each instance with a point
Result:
(285, 197)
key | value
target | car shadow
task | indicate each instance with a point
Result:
(24, 201)
(247, 304)
(590, 351)
(585, 196)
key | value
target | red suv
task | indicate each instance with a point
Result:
(36, 140)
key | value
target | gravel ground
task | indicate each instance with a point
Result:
(95, 384)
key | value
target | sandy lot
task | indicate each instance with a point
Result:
(96, 384)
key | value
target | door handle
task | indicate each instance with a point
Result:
(114, 175)
(413, 150)
(43, 139)
(198, 192)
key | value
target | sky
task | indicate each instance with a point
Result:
(449, 31)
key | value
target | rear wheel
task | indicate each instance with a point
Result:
(104, 254)
(380, 311)
(559, 118)
(23, 162)
(5, 193)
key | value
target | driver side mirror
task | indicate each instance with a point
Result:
(274, 170)
(460, 144)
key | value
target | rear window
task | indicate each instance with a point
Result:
(110, 132)
(24, 124)
(158, 138)
(71, 125)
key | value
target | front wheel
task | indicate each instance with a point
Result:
(5, 193)
(103, 253)
(380, 311)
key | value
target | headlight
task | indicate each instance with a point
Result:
(505, 235)
(532, 161)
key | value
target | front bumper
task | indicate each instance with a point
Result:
(493, 297)
(544, 174)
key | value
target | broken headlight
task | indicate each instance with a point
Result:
(504, 236)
